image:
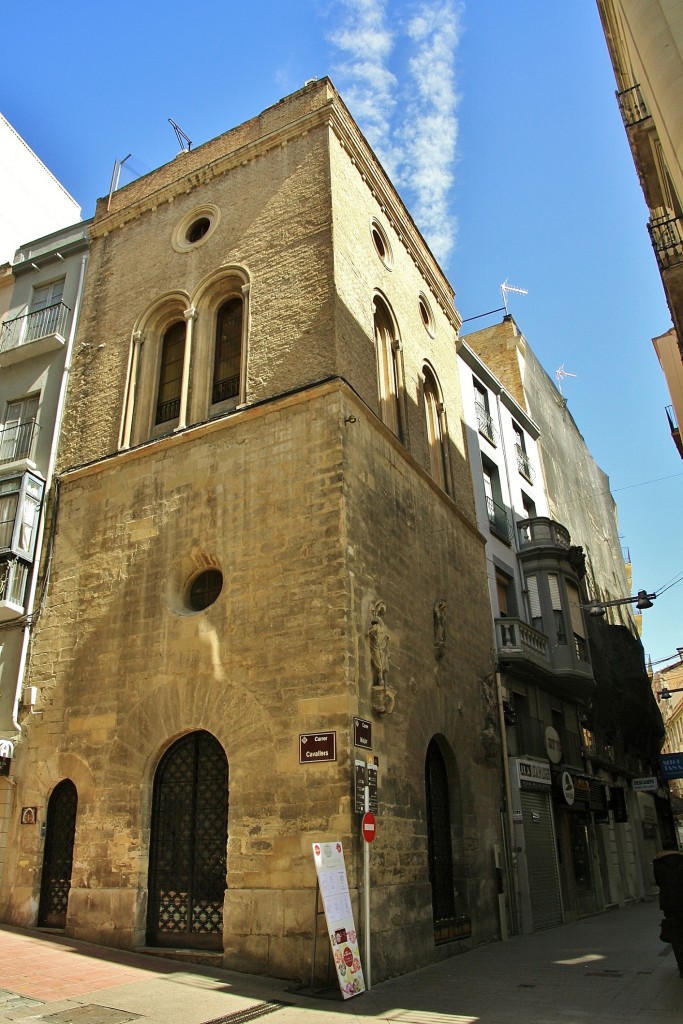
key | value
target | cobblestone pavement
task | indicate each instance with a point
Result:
(606, 969)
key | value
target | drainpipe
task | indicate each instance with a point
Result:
(48, 482)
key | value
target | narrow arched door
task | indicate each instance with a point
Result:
(188, 845)
(440, 849)
(60, 832)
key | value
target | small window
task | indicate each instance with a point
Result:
(205, 589)
(197, 229)
(381, 243)
(426, 315)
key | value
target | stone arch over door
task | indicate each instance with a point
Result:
(188, 845)
(60, 833)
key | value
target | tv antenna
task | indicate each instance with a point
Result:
(115, 175)
(505, 288)
(560, 374)
(184, 141)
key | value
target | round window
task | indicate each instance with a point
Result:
(204, 589)
(381, 243)
(197, 230)
(195, 227)
(426, 314)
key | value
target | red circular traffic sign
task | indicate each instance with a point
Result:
(368, 826)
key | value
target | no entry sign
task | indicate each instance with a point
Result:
(368, 826)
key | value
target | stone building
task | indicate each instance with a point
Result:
(264, 528)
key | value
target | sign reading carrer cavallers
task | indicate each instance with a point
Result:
(317, 746)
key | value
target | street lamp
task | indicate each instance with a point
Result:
(665, 692)
(641, 600)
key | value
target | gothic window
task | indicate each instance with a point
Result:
(170, 373)
(436, 434)
(389, 371)
(228, 352)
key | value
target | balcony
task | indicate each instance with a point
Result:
(541, 532)
(499, 520)
(43, 330)
(485, 423)
(521, 644)
(523, 464)
(13, 577)
(632, 106)
(18, 442)
(674, 428)
(530, 736)
(666, 235)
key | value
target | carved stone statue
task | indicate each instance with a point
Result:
(383, 695)
(488, 701)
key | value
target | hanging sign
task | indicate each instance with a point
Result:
(334, 889)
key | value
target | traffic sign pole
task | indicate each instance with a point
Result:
(366, 898)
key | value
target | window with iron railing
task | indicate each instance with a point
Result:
(523, 464)
(41, 323)
(18, 441)
(632, 106)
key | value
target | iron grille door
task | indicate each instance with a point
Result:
(58, 857)
(439, 837)
(188, 858)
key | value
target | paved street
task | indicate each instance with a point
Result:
(607, 969)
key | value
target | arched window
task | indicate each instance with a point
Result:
(436, 434)
(389, 371)
(228, 352)
(170, 373)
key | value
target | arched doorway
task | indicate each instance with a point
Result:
(188, 845)
(449, 924)
(60, 832)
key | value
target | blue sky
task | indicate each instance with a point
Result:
(499, 125)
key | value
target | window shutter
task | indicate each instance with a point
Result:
(575, 609)
(554, 588)
(534, 601)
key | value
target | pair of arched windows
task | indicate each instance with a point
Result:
(391, 387)
(188, 361)
(225, 383)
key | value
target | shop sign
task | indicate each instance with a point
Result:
(334, 889)
(645, 785)
(671, 765)
(566, 787)
(533, 774)
(553, 745)
(6, 749)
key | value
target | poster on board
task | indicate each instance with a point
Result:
(334, 888)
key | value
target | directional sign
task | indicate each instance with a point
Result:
(368, 826)
(317, 746)
(362, 733)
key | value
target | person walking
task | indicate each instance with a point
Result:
(668, 871)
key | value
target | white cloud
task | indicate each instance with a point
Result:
(408, 118)
(431, 128)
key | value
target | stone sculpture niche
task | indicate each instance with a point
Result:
(383, 694)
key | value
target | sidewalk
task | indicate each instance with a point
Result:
(607, 969)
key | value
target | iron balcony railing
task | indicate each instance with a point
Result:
(499, 521)
(666, 235)
(485, 423)
(632, 106)
(224, 389)
(32, 326)
(13, 576)
(523, 464)
(18, 441)
(530, 734)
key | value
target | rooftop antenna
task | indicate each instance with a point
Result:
(115, 175)
(505, 288)
(560, 374)
(184, 141)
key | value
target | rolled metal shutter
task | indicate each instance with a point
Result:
(539, 841)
